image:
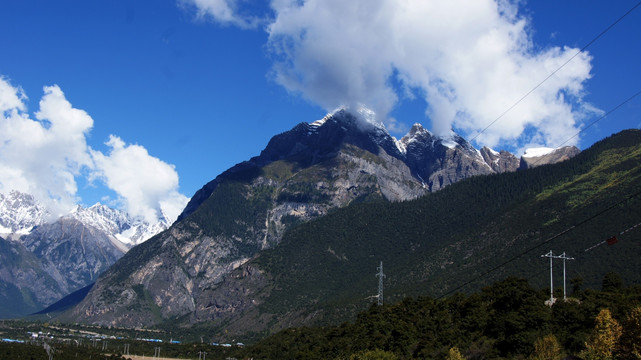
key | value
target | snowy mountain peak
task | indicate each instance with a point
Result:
(539, 151)
(362, 116)
(20, 212)
(451, 140)
(118, 223)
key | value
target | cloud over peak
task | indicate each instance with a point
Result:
(147, 185)
(45, 157)
(469, 62)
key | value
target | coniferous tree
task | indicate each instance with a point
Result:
(629, 346)
(604, 338)
(373, 355)
(547, 348)
(455, 354)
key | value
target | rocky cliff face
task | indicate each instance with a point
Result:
(25, 285)
(500, 162)
(52, 261)
(301, 174)
(246, 209)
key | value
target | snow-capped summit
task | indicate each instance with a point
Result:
(19, 213)
(125, 228)
(56, 257)
(540, 156)
(538, 151)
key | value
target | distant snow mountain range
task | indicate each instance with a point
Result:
(42, 260)
(20, 213)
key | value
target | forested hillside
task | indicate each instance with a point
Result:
(457, 240)
(505, 320)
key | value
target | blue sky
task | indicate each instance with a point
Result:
(180, 90)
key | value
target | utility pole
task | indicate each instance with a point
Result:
(552, 256)
(564, 257)
(380, 276)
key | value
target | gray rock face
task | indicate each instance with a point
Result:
(51, 262)
(192, 270)
(25, 286)
(73, 253)
(500, 162)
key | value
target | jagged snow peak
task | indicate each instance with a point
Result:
(536, 152)
(366, 115)
(20, 213)
(413, 135)
(126, 229)
(494, 152)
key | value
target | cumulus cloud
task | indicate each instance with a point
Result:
(146, 184)
(46, 155)
(225, 12)
(469, 61)
(42, 156)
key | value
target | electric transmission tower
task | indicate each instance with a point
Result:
(564, 257)
(380, 276)
(552, 256)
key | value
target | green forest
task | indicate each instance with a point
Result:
(465, 237)
(506, 320)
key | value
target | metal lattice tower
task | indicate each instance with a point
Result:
(380, 276)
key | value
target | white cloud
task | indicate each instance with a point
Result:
(44, 157)
(469, 61)
(224, 12)
(145, 184)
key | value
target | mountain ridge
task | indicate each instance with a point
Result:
(323, 271)
(302, 174)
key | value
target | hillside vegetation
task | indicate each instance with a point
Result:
(505, 320)
(460, 239)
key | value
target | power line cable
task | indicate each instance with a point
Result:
(602, 117)
(563, 143)
(540, 244)
(592, 123)
(613, 239)
(557, 70)
(568, 229)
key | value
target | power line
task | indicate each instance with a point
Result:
(592, 123)
(570, 228)
(602, 117)
(555, 71)
(380, 276)
(540, 244)
(574, 226)
(613, 240)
